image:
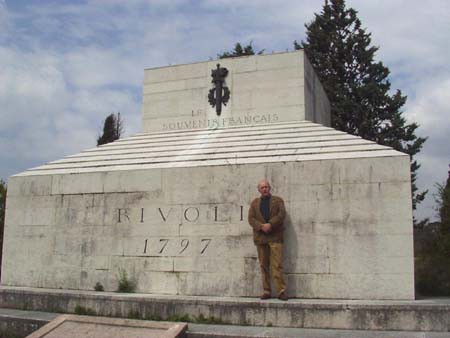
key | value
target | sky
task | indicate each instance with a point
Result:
(65, 65)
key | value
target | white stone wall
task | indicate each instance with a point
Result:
(264, 89)
(317, 106)
(184, 230)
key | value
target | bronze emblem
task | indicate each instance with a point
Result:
(220, 94)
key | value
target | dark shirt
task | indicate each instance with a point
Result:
(265, 208)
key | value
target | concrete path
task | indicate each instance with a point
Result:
(222, 331)
(18, 317)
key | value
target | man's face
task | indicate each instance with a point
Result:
(264, 189)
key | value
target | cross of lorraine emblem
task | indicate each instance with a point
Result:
(220, 94)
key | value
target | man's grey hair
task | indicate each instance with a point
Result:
(263, 181)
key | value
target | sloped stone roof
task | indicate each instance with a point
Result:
(275, 142)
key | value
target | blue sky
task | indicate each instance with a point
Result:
(65, 65)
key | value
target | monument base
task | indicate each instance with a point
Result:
(415, 315)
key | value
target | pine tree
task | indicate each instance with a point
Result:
(443, 243)
(443, 200)
(358, 87)
(112, 129)
(2, 202)
(240, 51)
(3, 190)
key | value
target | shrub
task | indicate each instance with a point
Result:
(99, 287)
(124, 283)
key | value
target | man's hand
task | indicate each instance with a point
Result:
(266, 228)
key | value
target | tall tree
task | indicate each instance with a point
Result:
(341, 53)
(432, 248)
(443, 205)
(3, 189)
(112, 129)
(240, 50)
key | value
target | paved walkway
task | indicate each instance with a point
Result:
(222, 331)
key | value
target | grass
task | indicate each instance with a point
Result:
(82, 311)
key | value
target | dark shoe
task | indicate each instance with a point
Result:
(282, 296)
(265, 296)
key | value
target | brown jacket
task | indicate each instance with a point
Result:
(277, 215)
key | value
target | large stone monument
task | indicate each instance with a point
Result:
(169, 206)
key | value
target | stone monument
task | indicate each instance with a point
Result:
(168, 206)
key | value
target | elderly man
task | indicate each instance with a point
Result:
(266, 216)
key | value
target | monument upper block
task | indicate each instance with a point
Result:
(263, 89)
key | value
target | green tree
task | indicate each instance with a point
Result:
(432, 246)
(3, 189)
(240, 51)
(444, 205)
(112, 129)
(341, 53)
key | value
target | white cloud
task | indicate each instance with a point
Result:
(30, 86)
(92, 67)
(431, 104)
(4, 17)
(412, 36)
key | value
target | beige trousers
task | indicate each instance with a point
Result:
(271, 257)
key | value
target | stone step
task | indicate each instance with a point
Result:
(284, 142)
(228, 331)
(417, 315)
(217, 162)
(219, 133)
(213, 156)
(210, 149)
(19, 323)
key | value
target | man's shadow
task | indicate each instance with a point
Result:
(290, 255)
